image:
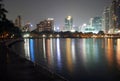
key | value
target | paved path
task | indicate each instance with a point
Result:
(15, 68)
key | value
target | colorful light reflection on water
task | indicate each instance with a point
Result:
(77, 59)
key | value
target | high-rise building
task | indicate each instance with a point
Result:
(18, 21)
(40, 26)
(96, 24)
(106, 20)
(68, 23)
(46, 25)
(51, 23)
(111, 17)
(27, 27)
(118, 15)
(115, 16)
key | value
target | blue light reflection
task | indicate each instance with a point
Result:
(32, 50)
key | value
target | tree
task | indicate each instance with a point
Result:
(101, 32)
(6, 26)
(3, 12)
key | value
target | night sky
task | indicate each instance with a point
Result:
(35, 11)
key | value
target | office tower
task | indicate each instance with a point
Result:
(46, 25)
(96, 24)
(27, 26)
(50, 23)
(111, 20)
(18, 21)
(106, 20)
(115, 16)
(111, 17)
(118, 15)
(68, 23)
(40, 26)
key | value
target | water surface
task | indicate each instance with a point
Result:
(76, 59)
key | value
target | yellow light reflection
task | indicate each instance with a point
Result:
(48, 47)
(68, 55)
(110, 51)
(49, 51)
(118, 53)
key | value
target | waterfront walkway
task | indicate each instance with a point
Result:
(15, 68)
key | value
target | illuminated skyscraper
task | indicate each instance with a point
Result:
(46, 25)
(118, 14)
(68, 23)
(51, 23)
(106, 20)
(115, 16)
(111, 18)
(96, 23)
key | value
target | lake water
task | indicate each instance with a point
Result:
(75, 59)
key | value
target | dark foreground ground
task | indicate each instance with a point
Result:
(15, 68)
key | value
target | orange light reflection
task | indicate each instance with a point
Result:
(69, 56)
(118, 53)
(109, 51)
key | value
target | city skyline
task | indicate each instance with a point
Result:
(38, 10)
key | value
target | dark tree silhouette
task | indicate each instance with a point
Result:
(6, 26)
(101, 32)
(3, 12)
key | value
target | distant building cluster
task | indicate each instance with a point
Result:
(94, 26)
(18, 23)
(109, 22)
